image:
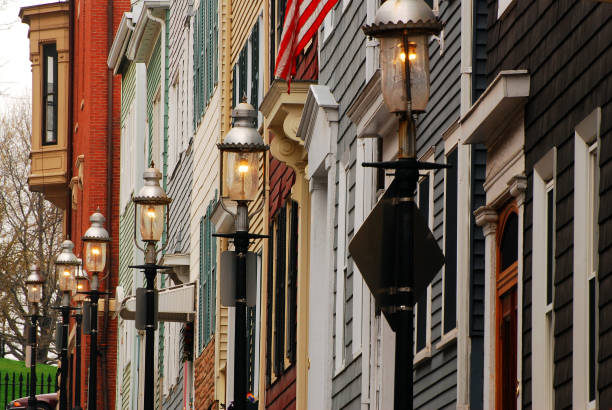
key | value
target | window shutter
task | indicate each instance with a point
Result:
(195, 71)
(292, 275)
(201, 290)
(234, 86)
(255, 66)
(279, 325)
(242, 72)
(202, 34)
(450, 272)
(269, 301)
(207, 274)
(215, 42)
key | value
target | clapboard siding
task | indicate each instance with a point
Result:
(179, 189)
(342, 69)
(565, 46)
(477, 278)
(435, 379)
(174, 399)
(244, 14)
(178, 35)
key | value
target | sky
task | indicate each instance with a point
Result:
(15, 71)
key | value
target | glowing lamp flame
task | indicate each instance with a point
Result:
(95, 251)
(151, 213)
(243, 166)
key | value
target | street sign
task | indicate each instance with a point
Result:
(374, 248)
(228, 278)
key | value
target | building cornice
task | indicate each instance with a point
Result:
(120, 43)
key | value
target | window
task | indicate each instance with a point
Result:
(205, 56)
(282, 291)
(277, 17)
(423, 306)
(586, 262)
(449, 313)
(49, 94)
(506, 308)
(245, 73)
(208, 278)
(543, 268)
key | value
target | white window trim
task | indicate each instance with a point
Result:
(340, 267)
(502, 5)
(544, 180)
(425, 352)
(586, 139)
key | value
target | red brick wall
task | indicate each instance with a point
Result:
(204, 374)
(281, 394)
(90, 137)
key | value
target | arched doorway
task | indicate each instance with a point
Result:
(506, 308)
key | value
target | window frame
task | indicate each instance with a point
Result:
(446, 335)
(49, 50)
(425, 352)
(586, 238)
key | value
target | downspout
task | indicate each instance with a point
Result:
(109, 199)
(70, 116)
(162, 74)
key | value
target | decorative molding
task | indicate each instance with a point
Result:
(486, 218)
(283, 111)
(517, 187)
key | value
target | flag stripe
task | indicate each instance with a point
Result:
(303, 18)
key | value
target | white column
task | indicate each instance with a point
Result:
(321, 297)
(518, 186)
(486, 218)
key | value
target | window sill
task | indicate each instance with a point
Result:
(447, 339)
(422, 355)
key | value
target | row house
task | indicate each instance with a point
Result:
(75, 149)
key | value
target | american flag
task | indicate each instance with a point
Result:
(302, 20)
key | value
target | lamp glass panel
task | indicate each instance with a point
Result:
(95, 256)
(393, 57)
(65, 277)
(242, 175)
(34, 292)
(81, 285)
(151, 222)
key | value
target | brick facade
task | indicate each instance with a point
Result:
(204, 384)
(92, 37)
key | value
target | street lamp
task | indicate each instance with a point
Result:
(242, 150)
(80, 283)
(96, 241)
(403, 28)
(151, 201)
(34, 286)
(66, 264)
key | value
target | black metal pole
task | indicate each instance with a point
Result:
(241, 245)
(149, 383)
(32, 403)
(64, 357)
(93, 353)
(407, 178)
(77, 366)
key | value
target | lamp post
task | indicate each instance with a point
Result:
(66, 264)
(242, 150)
(80, 285)
(34, 285)
(96, 241)
(151, 202)
(403, 28)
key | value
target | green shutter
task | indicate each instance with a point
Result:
(215, 42)
(201, 290)
(255, 65)
(234, 90)
(242, 72)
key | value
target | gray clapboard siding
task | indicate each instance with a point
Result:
(174, 399)
(435, 379)
(179, 188)
(342, 68)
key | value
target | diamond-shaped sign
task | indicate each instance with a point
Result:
(374, 249)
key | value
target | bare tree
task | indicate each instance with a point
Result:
(30, 232)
